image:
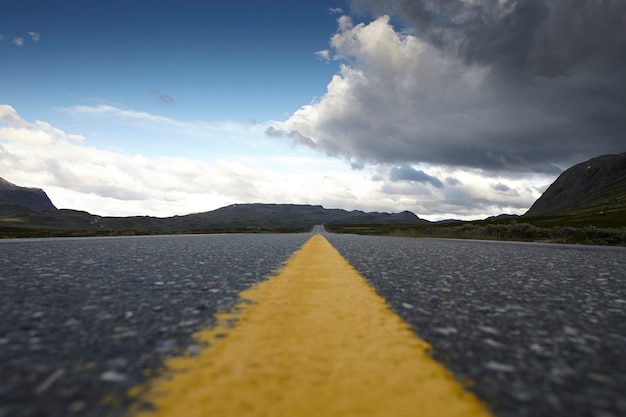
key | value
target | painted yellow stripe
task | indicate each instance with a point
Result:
(316, 340)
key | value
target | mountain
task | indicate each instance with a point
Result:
(33, 198)
(289, 216)
(594, 186)
(32, 209)
(502, 216)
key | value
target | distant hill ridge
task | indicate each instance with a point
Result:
(293, 215)
(594, 186)
(31, 208)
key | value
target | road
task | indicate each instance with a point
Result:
(539, 329)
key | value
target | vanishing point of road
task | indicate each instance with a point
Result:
(310, 324)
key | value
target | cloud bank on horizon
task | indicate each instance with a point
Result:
(498, 85)
(108, 182)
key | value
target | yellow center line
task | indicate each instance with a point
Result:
(315, 340)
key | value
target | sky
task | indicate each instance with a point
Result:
(448, 108)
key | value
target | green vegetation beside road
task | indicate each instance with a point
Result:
(11, 233)
(589, 229)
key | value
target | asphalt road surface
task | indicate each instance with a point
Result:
(532, 329)
(540, 329)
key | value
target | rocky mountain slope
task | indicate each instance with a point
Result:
(594, 186)
(33, 198)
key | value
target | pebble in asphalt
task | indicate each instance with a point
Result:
(538, 329)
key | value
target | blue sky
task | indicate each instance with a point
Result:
(164, 108)
(239, 61)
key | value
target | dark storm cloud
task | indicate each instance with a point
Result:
(538, 37)
(527, 45)
(498, 85)
(408, 173)
(501, 187)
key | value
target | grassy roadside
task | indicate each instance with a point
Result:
(588, 229)
(15, 232)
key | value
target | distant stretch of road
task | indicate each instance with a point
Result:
(532, 329)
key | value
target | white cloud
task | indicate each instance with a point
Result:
(439, 192)
(109, 110)
(111, 183)
(324, 55)
(225, 130)
(371, 112)
(19, 40)
(77, 175)
(9, 116)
